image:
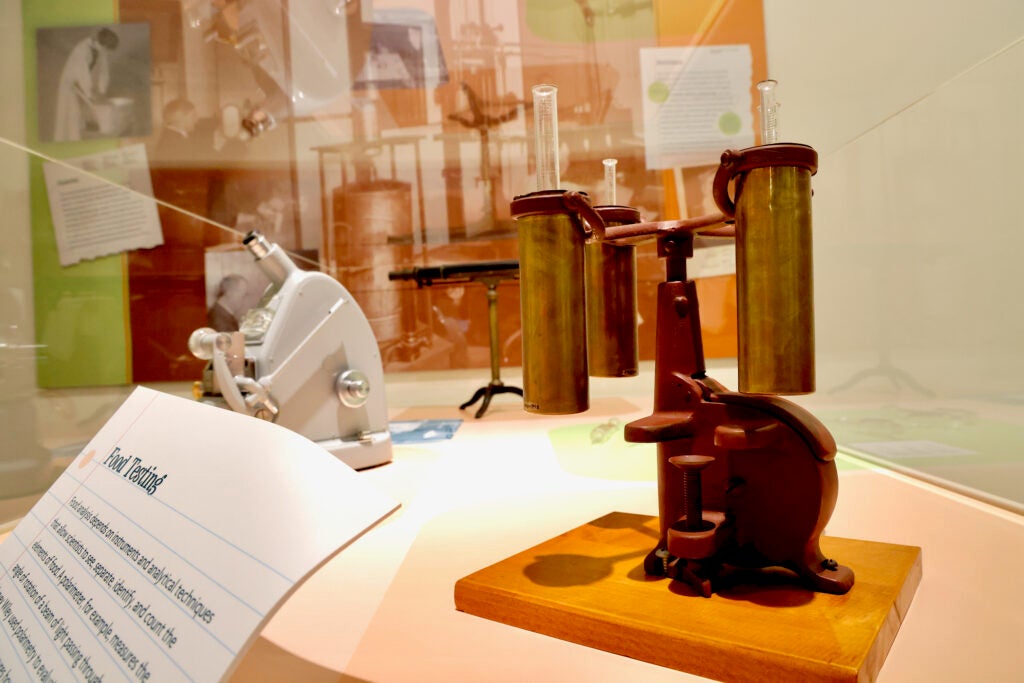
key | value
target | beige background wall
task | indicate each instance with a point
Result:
(916, 112)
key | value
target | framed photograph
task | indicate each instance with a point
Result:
(93, 82)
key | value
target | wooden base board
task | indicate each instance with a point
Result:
(588, 587)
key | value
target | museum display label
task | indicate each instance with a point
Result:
(168, 543)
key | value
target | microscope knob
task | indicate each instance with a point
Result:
(204, 341)
(353, 388)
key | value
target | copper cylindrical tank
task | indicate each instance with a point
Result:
(551, 275)
(775, 299)
(372, 237)
(612, 348)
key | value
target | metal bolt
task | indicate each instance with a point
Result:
(682, 306)
(693, 504)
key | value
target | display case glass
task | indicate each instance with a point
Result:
(141, 140)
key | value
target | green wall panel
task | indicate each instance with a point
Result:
(80, 310)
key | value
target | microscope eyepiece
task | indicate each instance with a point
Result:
(257, 244)
(270, 257)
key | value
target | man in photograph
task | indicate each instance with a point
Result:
(179, 143)
(229, 306)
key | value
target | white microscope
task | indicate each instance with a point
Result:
(305, 358)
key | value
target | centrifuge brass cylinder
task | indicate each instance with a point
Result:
(612, 347)
(552, 302)
(775, 301)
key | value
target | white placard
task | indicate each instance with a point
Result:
(696, 103)
(168, 542)
(102, 204)
(713, 261)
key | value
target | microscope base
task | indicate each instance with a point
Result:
(589, 587)
(373, 450)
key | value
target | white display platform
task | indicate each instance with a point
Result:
(383, 610)
(506, 483)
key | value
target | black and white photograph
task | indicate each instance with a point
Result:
(94, 82)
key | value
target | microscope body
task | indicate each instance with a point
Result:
(306, 358)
